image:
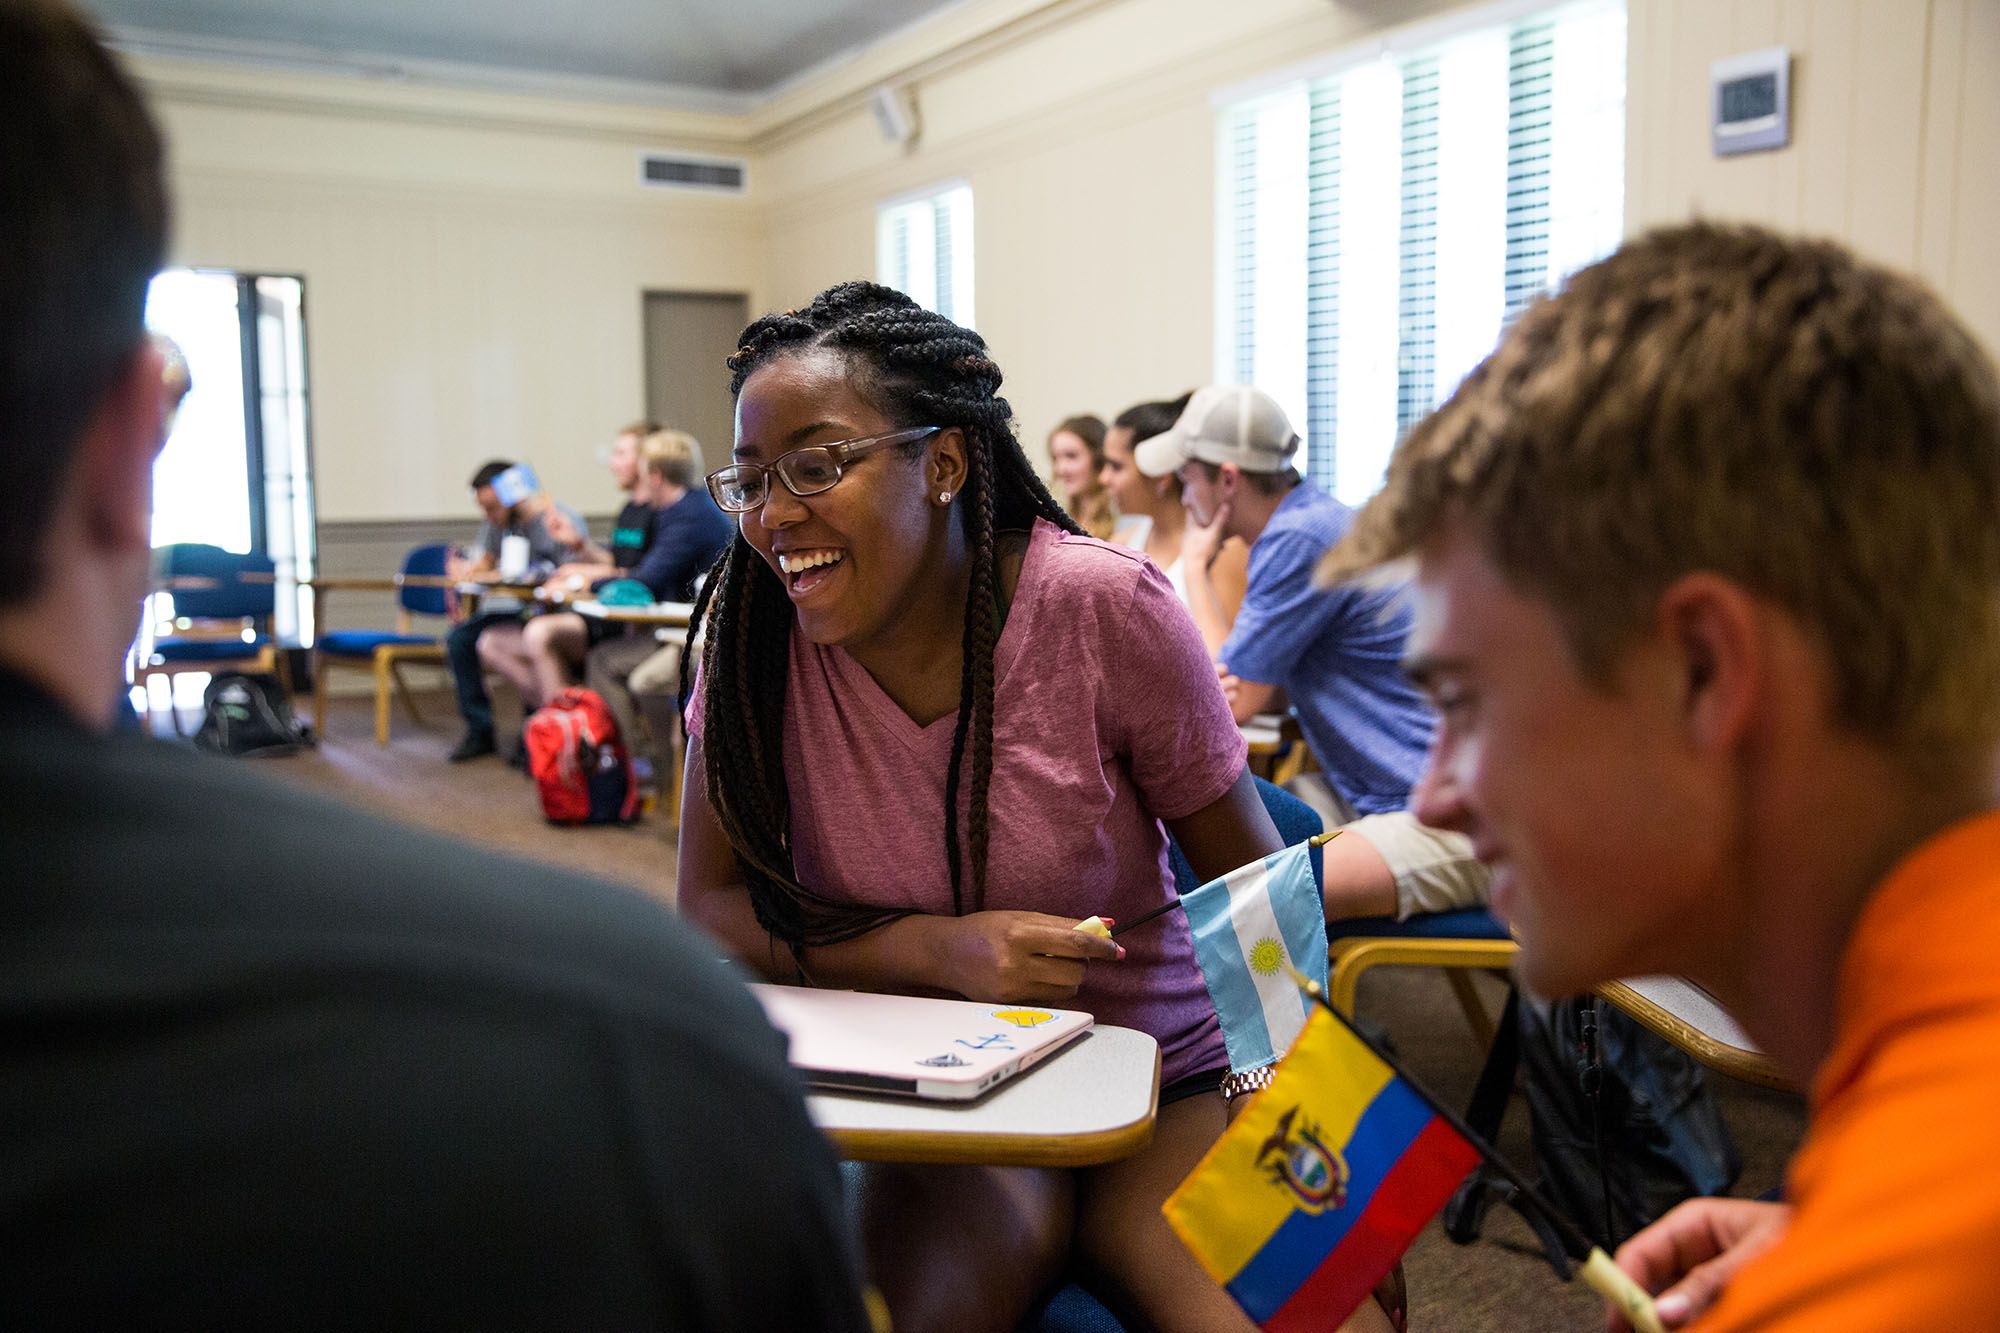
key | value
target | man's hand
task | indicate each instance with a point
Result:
(1019, 956)
(561, 530)
(1689, 1256)
(1202, 542)
(1232, 687)
(1246, 698)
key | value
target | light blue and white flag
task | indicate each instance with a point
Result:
(1247, 926)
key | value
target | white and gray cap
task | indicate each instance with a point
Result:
(1224, 423)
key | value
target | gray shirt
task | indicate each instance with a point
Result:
(544, 551)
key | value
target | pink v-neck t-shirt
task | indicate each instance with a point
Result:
(1107, 719)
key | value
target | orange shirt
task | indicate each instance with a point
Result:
(1897, 1186)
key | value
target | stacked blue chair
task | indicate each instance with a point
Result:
(222, 608)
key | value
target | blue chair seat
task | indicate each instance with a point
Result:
(364, 642)
(209, 650)
(1468, 923)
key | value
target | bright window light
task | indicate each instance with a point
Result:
(923, 248)
(1380, 224)
(201, 480)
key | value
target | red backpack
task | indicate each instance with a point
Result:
(579, 763)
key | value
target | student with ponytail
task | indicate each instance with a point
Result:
(932, 727)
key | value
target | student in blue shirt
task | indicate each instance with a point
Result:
(1335, 654)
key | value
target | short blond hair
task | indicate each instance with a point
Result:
(1815, 428)
(674, 455)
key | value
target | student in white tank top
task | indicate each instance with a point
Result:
(1151, 518)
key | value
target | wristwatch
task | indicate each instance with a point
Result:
(1241, 1081)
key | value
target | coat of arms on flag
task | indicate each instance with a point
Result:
(1311, 1195)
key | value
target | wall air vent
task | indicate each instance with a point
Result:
(678, 171)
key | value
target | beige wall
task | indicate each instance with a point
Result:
(1895, 130)
(474, 261)
(1089, 146)
(474, 267)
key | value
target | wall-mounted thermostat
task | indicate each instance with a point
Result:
(1752, 103)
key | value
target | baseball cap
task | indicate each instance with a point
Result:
(1224, 423)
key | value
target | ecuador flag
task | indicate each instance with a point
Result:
(1313, 1192)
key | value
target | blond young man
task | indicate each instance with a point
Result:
(635, 673)
(1708, 596)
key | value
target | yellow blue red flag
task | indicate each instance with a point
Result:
(1319, 1185)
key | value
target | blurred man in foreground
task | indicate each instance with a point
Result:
(268, 1063)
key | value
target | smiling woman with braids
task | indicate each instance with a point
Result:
(934, 727)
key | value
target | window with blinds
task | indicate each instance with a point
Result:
(1382, 219)
(923, 248)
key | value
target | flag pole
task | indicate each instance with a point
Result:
(1095, 925)
(1598, 1271)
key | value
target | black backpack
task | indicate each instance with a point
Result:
(248, 715)
(1622, 1121)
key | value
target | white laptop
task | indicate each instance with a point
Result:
(943, 1050)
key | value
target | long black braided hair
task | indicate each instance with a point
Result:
(918, 369)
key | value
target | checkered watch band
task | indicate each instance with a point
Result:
(1247, 1080)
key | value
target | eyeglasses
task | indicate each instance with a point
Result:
(742, 487)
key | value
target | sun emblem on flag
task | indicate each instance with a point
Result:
(1267, 956)
(1302, 1163)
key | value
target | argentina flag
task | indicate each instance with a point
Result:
(1247, 926)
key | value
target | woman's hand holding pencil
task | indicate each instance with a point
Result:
(1008, 956)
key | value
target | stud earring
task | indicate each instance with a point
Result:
(944, 497)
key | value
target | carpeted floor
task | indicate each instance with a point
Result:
(483, 801)
(1499, 1284)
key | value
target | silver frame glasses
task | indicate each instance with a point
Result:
(839, 453)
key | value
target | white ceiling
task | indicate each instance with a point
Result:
(661, 49)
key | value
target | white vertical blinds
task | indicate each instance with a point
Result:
(1381, 223)
(923, 248)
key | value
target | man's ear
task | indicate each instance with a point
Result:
(115, 457)
(1711, 629)
(1228, 480)
(948, 467)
